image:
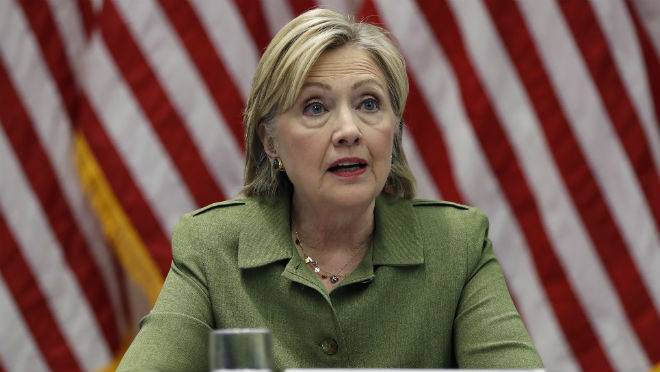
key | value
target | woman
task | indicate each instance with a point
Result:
(326, 246)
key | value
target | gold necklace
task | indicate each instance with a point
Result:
(332, 277)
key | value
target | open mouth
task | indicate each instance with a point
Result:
(350, 167)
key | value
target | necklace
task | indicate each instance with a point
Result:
(332, 277)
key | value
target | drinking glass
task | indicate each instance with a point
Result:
(245, 349)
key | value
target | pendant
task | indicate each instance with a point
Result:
(334, 279)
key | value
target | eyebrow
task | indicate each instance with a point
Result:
(367, 81)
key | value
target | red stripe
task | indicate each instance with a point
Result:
(651, 60)
(124, 188)
(211, 68)
(86, 15)
(120, 279)
(498, 151)
(47, 35)
(595, 51)
(580, 182)
(300, 6)
(255, 20)
(33, 304)
(155, 103)
(431, 144)
(39, 171)
(423, 127)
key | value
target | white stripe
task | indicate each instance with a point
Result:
(649, 16)
(18, 351)
(44, 256)
(189, 96)
(342, 6)
(619, 31)
(604, 152)
(138, 144)
(425, 186)
(224, 25)
(277, 14)
(474, 177)
(583, 266)
(68, 21)
(44, 105)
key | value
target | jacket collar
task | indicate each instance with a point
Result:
(396, 236)
(266, 236)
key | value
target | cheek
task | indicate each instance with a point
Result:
(388, 141)
(383, 149)
(302, 152)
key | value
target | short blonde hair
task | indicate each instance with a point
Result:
(281, 74)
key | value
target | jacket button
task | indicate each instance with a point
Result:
(329, 346)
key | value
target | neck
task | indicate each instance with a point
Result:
(333, 228)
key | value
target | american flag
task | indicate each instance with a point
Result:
(116, 117)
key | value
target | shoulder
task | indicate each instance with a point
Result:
(224, 214)
(217, 222)
(459, 228)
(226, 219)
(437, 221)
(219, 209)
(437, 203)
(448, 213)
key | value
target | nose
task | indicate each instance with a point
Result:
(347, 132)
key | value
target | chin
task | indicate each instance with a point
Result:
(352, 197)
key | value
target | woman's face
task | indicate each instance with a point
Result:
(336, 140)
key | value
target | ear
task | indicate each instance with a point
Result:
(267, 141)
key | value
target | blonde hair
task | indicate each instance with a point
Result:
(281, 73)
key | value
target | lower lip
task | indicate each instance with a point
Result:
(351, 173)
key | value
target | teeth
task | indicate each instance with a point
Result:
(353, 165)
(346, 166)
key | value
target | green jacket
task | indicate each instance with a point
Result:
(429, 294)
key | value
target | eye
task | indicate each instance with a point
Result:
(369, 104)
(314, 108)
